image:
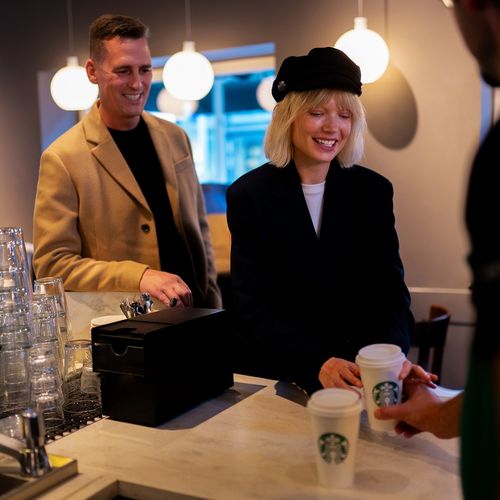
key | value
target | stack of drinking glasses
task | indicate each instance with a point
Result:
(34, 344)
(46, 385)
(53, 287)
(79, 387)
(15, 322)
(45, 363)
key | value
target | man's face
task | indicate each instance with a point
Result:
(476, 26)
(124, 76)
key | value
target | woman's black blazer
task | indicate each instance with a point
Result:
(298, 298)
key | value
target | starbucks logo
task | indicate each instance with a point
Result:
(385, 394)
(333, 447)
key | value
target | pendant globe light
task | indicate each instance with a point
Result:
(181, 110)
(264, 94)
(188, 75)
(365, 47)
(70, 88)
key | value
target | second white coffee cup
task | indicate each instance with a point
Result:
(335, 421)
(380, 366)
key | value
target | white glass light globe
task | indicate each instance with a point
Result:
(71, 89)
(167, 103)
(188, 75)
(264, 95)
(366, 48)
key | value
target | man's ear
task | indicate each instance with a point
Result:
(90, 68)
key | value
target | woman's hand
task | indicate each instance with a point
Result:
(338, 372)
(411, 372)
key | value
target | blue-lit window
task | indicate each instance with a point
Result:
(228, 127)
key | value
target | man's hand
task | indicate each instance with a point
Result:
(166, 287)
(338, 372)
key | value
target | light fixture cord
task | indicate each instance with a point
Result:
(70, 28)
(360, 8)
(386, 22)
(188, 19)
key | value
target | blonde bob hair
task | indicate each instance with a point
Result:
(278, 145)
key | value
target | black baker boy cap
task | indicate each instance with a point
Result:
(321, 68)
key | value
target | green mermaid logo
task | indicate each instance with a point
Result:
(385, 394)
(333, 447)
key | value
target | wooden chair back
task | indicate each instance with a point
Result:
(430, 339)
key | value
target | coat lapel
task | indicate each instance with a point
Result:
(337, 212)
(296, 229)
(292, 215)
(294, 224)
(108, 155)
(163, 148)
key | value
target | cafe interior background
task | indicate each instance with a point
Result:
(426, 114)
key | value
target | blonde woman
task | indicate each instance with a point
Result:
(315, 264)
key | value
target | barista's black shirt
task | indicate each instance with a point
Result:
(480, 429)
(140, 154)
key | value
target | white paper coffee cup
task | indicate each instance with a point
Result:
(380, 366)
(335, 422)
(106, 320)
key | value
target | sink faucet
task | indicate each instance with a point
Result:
(31, 454)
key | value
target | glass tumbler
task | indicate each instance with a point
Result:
(15, 325)
(44, 318)
(15, 377)
(53, 286)
(81, 386)
(14, 260)
(46, 385)
(11, 426)
(15, 288)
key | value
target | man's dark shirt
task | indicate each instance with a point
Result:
(140, 154)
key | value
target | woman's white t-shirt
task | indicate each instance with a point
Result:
(313, 194)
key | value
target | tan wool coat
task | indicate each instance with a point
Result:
(92, 224)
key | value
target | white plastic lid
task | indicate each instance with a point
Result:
(334, 402)
(376, 355)
(105, 320)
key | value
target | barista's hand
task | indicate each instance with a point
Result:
(338, 372)
(423, 411)
(166, 287)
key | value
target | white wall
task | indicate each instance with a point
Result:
(430, 173)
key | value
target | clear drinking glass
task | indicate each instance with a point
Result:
(14, 372)
(45, 330)
(53, 286)
(15, 288)
(50, 405)
(11, 426)
(15, 325)
(14, 267)
(82, 391)
(46, 393)
(44, 318)
(44, 359)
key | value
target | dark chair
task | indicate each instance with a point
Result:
(430, 338)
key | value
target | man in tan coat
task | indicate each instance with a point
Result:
(118, 205)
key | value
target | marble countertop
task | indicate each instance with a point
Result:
(84, 306)
(253, 441)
